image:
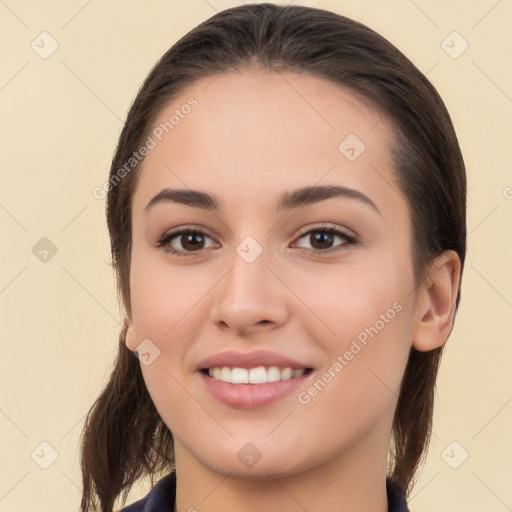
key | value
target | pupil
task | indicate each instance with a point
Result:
(192, 236)
(322, 238)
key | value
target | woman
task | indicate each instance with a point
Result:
(287, 213)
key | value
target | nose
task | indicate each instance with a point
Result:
(250, 298)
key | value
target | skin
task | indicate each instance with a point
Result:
(252, 136)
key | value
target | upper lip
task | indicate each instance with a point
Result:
(232, 359)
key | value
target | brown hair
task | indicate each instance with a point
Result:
(124, 437)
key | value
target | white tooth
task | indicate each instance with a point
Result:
(273, 374)
(257, 375)
(225, 374)
(239, 376)
(286, 373)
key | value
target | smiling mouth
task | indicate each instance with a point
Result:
(256, 375)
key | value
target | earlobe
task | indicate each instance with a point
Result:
(437, 302)
(131, 338)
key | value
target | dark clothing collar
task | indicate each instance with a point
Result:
(162, 495)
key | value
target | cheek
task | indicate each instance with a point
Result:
(161, 294)
(357, 390)
(164, 300)
(349, 297)
(365, 331)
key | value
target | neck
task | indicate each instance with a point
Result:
(355, 480)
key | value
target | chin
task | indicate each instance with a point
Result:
(255, 461)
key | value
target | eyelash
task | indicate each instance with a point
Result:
(349, 240)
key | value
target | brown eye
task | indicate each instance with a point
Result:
(323, 240)
(192, 241)
(184, 242)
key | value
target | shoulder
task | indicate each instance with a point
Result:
(162, 495)
(396, 497)
(159, 499)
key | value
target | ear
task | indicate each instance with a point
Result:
(131, 338)
(436, 302)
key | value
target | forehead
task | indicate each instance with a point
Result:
(260, 130)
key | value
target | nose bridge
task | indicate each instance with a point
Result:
(249, 294)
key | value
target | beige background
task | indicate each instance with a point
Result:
(60, 119)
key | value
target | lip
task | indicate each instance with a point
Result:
(252, 396)
(233, 358)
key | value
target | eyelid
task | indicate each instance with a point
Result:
(328, 226)
(185, 229)
(170, 234)
(351, 240)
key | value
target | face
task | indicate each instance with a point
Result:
(270, 284)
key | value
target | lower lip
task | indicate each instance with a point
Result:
(251, 396)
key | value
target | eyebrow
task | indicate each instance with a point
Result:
(287, 200)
